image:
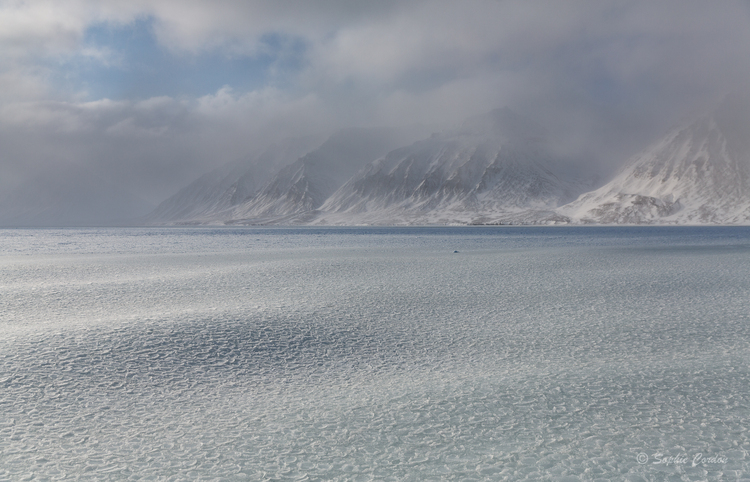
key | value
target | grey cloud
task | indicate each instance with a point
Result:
(152, 147)
(604, 77)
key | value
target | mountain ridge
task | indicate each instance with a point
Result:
(494, 165)
(500, 168)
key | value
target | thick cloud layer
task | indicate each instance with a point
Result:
(147, 95)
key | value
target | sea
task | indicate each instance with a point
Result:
(375, 353)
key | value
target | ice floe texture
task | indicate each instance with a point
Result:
(378, 353)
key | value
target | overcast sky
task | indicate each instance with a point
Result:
(146, 95)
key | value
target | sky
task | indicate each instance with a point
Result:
(121, 103)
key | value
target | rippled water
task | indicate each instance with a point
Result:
(363, 353)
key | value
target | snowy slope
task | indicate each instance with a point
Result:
(295, 193)
(696, 174)
(214, 194)
(494, 169)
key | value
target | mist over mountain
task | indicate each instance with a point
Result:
(227, 186)
(495, 168)
(302, 187)
(697, 173)
(109, 108)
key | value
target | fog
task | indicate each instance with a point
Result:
(108, 108)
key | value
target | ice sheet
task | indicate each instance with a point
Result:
(348, 354)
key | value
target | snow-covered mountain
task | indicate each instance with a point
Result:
(696, 174)
(213, 195)
(295, 193)
(496, 168)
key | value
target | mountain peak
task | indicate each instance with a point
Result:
(698, 173)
